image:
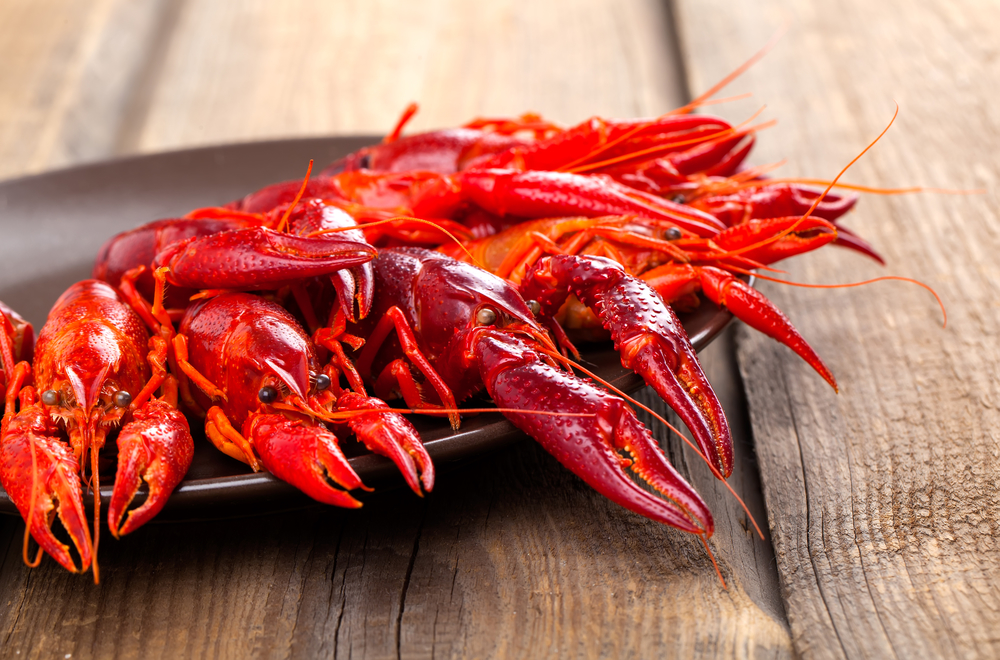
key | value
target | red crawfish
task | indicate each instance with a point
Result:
(555, 176)
(96, 370)
(256, 377)
(463, 330)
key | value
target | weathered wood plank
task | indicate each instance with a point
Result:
(70, 69)
(512, 556)
(883, 499)
(256, 70)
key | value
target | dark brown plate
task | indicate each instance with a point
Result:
(54, 224)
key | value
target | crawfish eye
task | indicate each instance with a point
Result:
(267, 394)
(50, 397)
(535, 308)
(365, 162)
(486, 316)
(322, 382)
(677, 199)
(672, 234)
(122, 399)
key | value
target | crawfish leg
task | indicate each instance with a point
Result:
(394, 318)
(192, 375)
(647, 335)
(227, 439)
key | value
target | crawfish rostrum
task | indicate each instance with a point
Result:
(430, 268)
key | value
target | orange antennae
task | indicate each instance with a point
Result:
(736, 73)
(704, 542)
(96, 486)
(31, 505)
(728, 99)
(860, 188)
(898, 278)
(392, 220)
(690, 443)
(350, 414)
(403, 120)
(288, 212)
(777, 237)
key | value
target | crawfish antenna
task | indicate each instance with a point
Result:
(736, 73)
(848, 285)
(780, 235)
(404, 119)
(283, 225)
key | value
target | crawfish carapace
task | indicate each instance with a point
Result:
(95, 370)
(256, 375)
(464, 329)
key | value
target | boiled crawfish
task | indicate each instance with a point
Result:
(97, 370)
(254, 374)
(675, 266)
(464, 329)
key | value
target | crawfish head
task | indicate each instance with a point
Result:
(89, 361)
(448, 304)
(254, 352)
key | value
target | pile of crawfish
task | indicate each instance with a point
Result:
(430, 267)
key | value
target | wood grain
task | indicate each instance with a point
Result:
(883, 500)
(512, 556)
(69, 72)
(259, 69)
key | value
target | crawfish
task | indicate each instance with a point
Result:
(674, 145)
(97, 369)
(265, 396)
(464, 330)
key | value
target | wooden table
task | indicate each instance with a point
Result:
(882, 500)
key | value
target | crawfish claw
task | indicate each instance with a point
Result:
(156, 447)
(257, 258)
(41, 476)
(648, 336)
(589, 446)
(306, 456)
(391, 435)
